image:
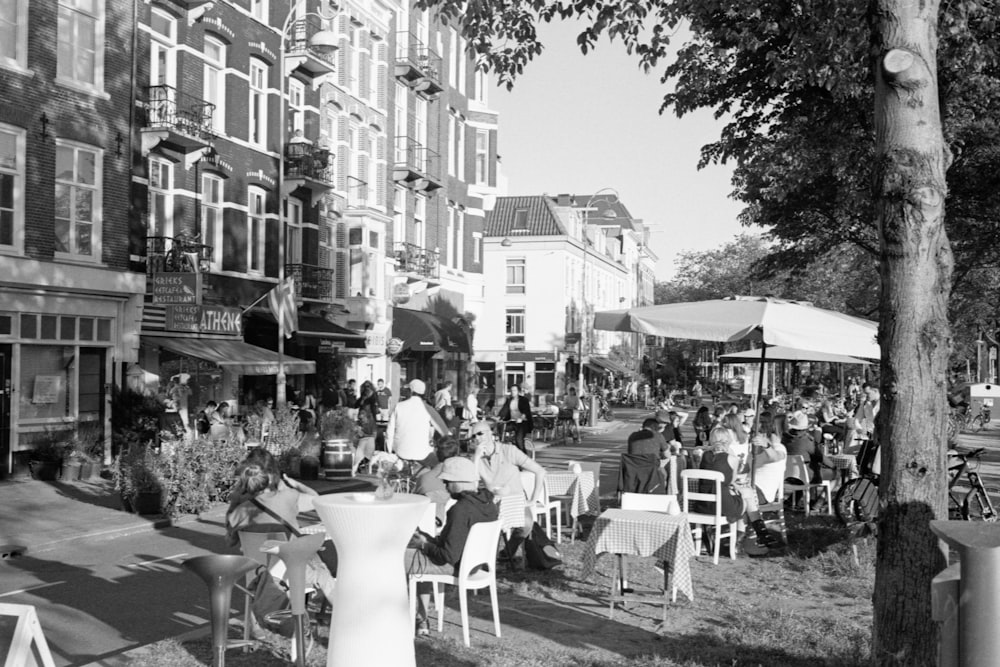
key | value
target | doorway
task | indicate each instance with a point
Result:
(6, 464)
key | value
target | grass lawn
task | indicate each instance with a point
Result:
(808, 606)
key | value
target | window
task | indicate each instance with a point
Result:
(460, 148)
(477, 240)
(11, 188)
(211, 216)
(80, 58)
(449, 241)
(419, 216)
(258, 103)
(515, 275)
(399, 215)
(521, 220)
(161, 208)
(460, 56)
(296, 106)
(78, 200)
(293, 235)
(453, 61)
(255, 230)
(481, 81)
(482, 156)
(452, 122)
(215, 81)
(258, 10)
(420, 130)
(460, 240)
(14, 34)
(515, 328)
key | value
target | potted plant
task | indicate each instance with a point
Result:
(46, 457)
(339, 432)
(138, 478)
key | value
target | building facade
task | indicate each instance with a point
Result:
(551, 262)
(69, 303)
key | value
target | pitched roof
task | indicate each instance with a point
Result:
(523, 216)
(604, 203)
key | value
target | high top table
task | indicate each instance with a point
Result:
(370, 617)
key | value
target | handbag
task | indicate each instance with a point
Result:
(270, 604)
(327, 553)
(539, 551)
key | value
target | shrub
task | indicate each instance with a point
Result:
(135, 418)
(198, 472)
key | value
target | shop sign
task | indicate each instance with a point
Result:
(175, 288)
(394, 346)
(375, 343)
(205, 319)
(400, 293)
(327, 346)
(531, 356)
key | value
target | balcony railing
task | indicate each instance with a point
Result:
(177, 254)
(301, 55)
(169, 109)
(417, 64)
(357, 193)
(311, 282)
(411, 258)
(415, 163)
(303, 160)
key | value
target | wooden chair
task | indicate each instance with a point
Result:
(476, 570)
(692, 480)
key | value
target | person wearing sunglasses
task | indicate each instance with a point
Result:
(500, 465)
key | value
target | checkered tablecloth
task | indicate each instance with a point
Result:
(579, 487)
(512, 512)
(634, 532)
(847, 464)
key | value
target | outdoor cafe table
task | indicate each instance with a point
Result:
(845, 463)
(370, 614)
(580, 489)
(635, 532)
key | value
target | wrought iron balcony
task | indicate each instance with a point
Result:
(418, 65)
(411, 258)
(303, 57)
(308, 167)
(177, 254)
(176, 120)
(312, 282)
(415, 164)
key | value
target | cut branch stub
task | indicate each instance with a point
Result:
(896, 62)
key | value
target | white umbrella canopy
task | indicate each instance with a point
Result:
(794, 324)
(781, 353)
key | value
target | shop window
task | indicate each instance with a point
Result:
(67, 328)
(6, 325)
(29, 326)
(86, 328)
(545, 378)
(45, 382)
(49, 327)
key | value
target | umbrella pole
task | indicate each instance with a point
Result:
(756, 413)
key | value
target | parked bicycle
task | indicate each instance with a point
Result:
(974, 504)
(856, 501)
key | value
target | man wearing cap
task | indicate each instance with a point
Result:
(649, 440)
(441, 554)
(411, 427)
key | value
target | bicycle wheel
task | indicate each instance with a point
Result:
(857, 502)
(952, 430)
(977, 424)
(977, 507)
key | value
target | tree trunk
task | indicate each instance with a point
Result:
(916, 266)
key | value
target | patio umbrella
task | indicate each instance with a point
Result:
(795, 324)
(782, 353)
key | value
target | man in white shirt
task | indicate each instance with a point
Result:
(442, 397)
(411, 427)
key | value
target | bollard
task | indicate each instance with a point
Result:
(944, 610)
(978, 545)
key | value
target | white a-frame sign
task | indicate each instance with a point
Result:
(27, 646)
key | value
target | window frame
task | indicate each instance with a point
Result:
(259, 11)
(511, 283)
(160, 165)
(97, 188)
(257, 113)
(18, 173)
(19, 61)
(213, 237)
(216, 66)
(514, 336)
(256, 222)
(99, 18)
(294, 211)
(482, 165)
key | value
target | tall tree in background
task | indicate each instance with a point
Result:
(857, 85)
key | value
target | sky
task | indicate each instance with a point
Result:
(577, 124)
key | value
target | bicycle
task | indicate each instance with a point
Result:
(975, 505)
(856, 501)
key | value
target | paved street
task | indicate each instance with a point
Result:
(100, 596)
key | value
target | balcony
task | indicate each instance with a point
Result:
(309, 168)
(300, 56)
(177, 254)
(311, 282)
(357, 193)
(417, 65)
(176, 121)
(416, 165)
(411, 258)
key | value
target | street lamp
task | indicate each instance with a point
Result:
(610, 213)
(324, 42)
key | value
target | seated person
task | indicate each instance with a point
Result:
(500, 465)
(649, 440)
(442, 554)
(258, 479)
(427, 481)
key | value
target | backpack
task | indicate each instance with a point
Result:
(539, 551)
(270, 604)
(202, 423)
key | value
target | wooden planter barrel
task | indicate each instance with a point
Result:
(338, 458)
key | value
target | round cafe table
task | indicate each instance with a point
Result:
(370, 617)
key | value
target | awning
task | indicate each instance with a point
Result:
(421, 331)
(316, 326)
(609, 365)
(236, 356)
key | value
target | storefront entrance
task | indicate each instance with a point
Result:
(5, 460)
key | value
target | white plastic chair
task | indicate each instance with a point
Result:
(797, 479)
(480, 550)
(692, 492)
(250, 544)
(548, 508)
(651, 502)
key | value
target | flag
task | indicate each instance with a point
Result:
(281, 300)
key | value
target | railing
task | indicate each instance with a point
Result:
(413, 156)
(411, 258)
(412, 52)
(301, 32)
(311, 282)
(302, 160)
(168, 108)
(357, 192)
(178, 254)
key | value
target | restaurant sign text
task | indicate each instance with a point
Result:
(205, 319)
(175, 288)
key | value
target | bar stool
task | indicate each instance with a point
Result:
(296, 554)
(220, 572)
